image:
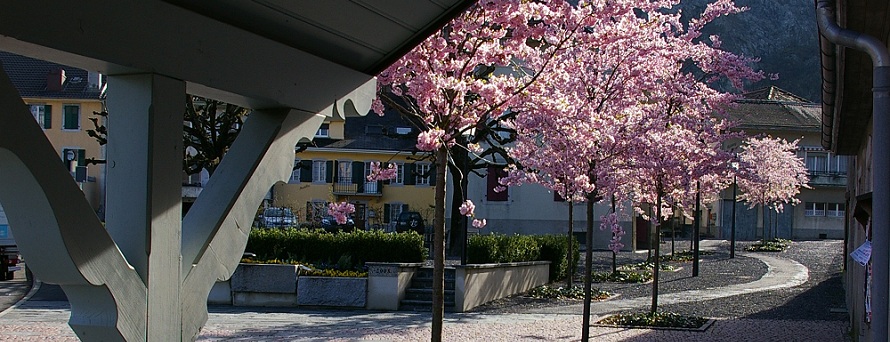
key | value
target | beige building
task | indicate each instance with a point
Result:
(820, 214)
(335, 166)
(62, 100)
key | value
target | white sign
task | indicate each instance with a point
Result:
(863, 253)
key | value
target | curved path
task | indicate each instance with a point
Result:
(781, 273)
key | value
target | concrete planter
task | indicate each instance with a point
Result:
(332, 291)
(264, 285)
(387, 283)
(481, 283)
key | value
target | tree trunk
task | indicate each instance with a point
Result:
(439, 247)
(657, 262)
(588, 266)
(459, 183)
(570, 269)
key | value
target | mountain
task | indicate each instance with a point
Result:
(783, 34)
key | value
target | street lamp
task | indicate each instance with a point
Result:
(735, 166)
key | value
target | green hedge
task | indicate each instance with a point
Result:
(340, 251)
(495, 248)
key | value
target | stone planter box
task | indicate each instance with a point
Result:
(387, 283)
(332, 291)
(481, 283)
(264, 285)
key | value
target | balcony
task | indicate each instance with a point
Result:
(348, 188)
(828, 179)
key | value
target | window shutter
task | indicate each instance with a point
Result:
(409, 174)
(386, 213)
(358, 174)
(329, 171)
(47, 116)
(81, 157)
(495, 172)
(305, 171)
(432, 174)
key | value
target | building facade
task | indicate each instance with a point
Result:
(62, 100)
(335, 166)
(774, 112)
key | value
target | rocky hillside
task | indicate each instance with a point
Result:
(782, 33)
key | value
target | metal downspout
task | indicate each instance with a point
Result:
(880, 157)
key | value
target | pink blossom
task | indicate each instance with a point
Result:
(479, 223)
(381, 174)
(430, 140)
(340, 211)
(610, 221)
(770, 172)
(468, 208)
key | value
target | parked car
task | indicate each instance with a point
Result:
(410, 220)
(274, 217)
(328, 223)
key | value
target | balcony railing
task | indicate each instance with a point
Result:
(828, 179)
(350, 188)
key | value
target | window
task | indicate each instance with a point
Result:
(295, 173)
(838, 164)
(814, 209)
(391, 213)
(817, 162)
(344, 172)
(319, 170)
(835, 210)
(370, 187)
(324, 131)
(71, 117)
(43, 114)
(422, 172)
(493, 184)
(400, 174)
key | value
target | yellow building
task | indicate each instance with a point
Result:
(334, 169)
(62, 100)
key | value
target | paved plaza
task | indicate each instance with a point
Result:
(777, 306)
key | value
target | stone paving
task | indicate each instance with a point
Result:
(46, 321)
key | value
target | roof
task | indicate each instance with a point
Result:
(390, 132)
(312, 56)
(847, 74)
(363, 35)
(29, 76)
(772, 108)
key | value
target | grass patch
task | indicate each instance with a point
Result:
(683, 256)
(773, 245)
(658, 319)
(640, 276)
(645, 266)
(574, 292)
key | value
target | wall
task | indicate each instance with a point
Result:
(859, 183)
(61, 139)
(531, 209)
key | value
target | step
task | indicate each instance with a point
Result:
(422, 305)
(427, 283)
(427, 294)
